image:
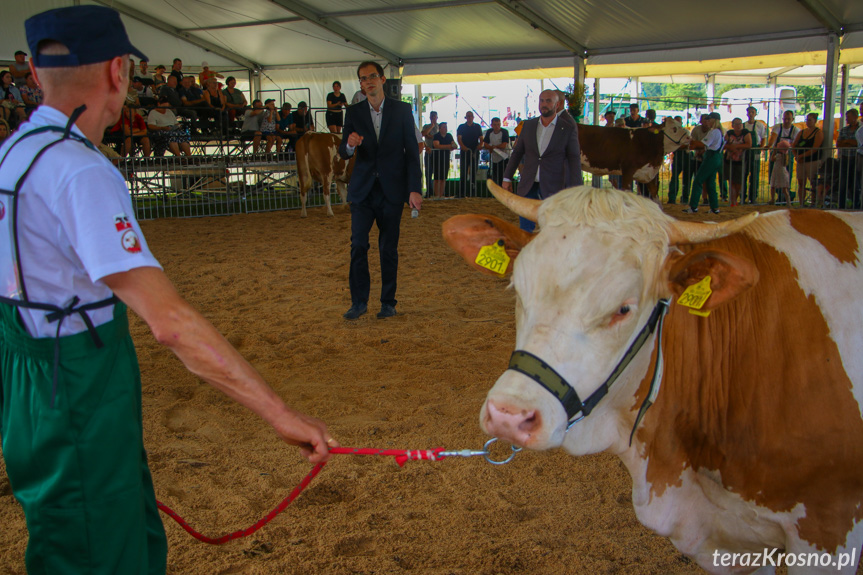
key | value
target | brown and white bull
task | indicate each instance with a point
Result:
(318, 159)
(632, 154)
(754, 444)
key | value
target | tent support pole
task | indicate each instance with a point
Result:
(597, 180)
(843, 102)
(830, 88)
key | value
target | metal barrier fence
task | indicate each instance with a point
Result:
(831, 182)
(212, 185)
(835, 182)
(218, 183)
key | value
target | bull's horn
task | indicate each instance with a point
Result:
(524, 207)
(696, 232)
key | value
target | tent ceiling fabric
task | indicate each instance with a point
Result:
(474, 37)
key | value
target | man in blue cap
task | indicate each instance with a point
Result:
(71, 259)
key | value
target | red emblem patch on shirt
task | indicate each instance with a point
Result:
(121, 222)
(2, 211)
(131, 243)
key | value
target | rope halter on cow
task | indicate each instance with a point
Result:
(538, 370)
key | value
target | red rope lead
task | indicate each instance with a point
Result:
(401, 456)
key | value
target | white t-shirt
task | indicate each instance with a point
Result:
(785, 134)
(714, 140)
(160, 119)
(76, 225)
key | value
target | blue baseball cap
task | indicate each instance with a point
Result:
(91, 33)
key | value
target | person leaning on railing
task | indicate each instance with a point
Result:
(849, 161)
(807, 147)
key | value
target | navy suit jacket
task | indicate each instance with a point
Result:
(393, 159)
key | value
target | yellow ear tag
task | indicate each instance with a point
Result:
(493, 257)
(695, 296)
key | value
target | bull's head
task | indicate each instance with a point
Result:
(586, 285)
(674, 136)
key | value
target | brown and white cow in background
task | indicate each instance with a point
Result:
(632, 154)
(755, 441)
(318, 159)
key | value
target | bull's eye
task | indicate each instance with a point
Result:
(621, 315)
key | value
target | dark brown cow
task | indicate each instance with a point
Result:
(633, 154)
(318, 159)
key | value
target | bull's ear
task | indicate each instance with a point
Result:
(730, 275)
(468, 234)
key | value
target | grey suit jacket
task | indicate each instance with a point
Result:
(561, 161)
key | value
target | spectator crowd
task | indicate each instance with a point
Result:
(166, 110)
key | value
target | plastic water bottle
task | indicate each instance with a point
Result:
(415, 213)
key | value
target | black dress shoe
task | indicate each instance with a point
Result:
(386, 311)
(356, 311)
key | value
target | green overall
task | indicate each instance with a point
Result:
(706, 174)
(79, 468)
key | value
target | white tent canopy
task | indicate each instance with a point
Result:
(293, 43)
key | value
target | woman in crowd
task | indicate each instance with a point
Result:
(4, 131)
(219, 104)
(12, 108)
(737, 140)
(235, 100)
(268, 127)
(31, 93)
(165, 132)
(807, 146)
(335, 102)
(159, 79)
(443, 147)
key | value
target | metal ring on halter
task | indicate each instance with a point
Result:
(492, 461)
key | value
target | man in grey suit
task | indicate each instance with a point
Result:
(549, 143)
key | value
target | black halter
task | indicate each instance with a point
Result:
(676, 142)
(535, 368)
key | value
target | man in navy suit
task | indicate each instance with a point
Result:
(381, 132)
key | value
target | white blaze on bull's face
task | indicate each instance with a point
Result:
(675, 136)
(583, 293)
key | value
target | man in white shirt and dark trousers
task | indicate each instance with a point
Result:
(496, 141)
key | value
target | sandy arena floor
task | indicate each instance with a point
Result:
(276, 286)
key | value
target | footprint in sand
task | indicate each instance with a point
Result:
(180, 418)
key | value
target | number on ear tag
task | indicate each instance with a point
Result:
(493, 258)
(695, 296)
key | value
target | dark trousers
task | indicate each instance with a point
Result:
(706, 174)
(429, 172)
(849, 181)
(374, 209)
(751, 175)
(681, 166)
(524, 223)
(468, 160)
(496, 171)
